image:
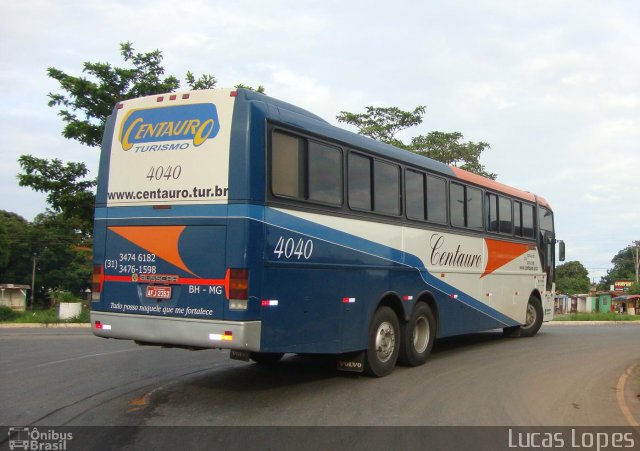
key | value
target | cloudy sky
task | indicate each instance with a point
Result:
(552, 85)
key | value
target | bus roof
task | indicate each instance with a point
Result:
(302, 119)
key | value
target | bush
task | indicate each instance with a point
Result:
(56, 296)
(7, 314)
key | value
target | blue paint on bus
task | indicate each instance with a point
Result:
(311, 315)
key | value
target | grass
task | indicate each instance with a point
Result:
(49, 316)
(596, 316)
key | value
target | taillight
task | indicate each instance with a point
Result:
(97, 280)
(238, 288)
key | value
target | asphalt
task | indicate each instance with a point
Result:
(566, 376)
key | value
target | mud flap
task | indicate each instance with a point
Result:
(511, 332)
(239, 355)
(351, 361)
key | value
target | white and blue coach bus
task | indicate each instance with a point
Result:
(228, 219)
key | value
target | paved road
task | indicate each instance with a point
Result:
(566, 375)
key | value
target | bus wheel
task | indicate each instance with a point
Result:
(384, 343)
(534, 318)
(266, 358)
(418, 335)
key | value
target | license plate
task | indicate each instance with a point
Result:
(158, 292)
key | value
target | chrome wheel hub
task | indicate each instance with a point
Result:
(385, 341)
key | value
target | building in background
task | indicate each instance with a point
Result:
(14, 296)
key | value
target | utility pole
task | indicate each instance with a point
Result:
(33, 281)
(636, 258)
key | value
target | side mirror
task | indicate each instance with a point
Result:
(561, 250)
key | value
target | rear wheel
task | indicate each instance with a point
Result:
(384, 343)
(418, 335)
(534, 318)
(266, 358)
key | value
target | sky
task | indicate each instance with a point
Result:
(552, 85)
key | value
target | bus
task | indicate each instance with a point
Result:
(227, 219)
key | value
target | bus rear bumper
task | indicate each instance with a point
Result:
(171, 331)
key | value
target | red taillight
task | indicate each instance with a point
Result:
(98, 278)
(98, 325)
(96, 282)
(238, 284)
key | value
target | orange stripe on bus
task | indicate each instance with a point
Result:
(502, 252)
(492, 184)
(159, 240)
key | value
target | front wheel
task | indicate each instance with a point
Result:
(418, 335)
(534, 318)
(384, 343)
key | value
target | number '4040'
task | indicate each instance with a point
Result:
(292, 248)
(164, 172)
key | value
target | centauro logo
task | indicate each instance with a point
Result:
(195, 123)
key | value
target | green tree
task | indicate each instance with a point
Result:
(623, 268)
(68, 190)
(85, 102)
(572, 278)
(4, 245)
(383, 124)
(95, 96)
(62, 253)
(450, 149)
(18, 247)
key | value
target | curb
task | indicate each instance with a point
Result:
(44, 325)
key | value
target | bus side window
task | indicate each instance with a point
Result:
(492, 212)
(325, 173)
(305, 170)
(287, 170)
(360, 182)
(386, 191)
(504, 212)
(527, 221)
(436, 200)
(456, 204)
(474, 209)
(465, 204)
(415, 195)
(517, 218)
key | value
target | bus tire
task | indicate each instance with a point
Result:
(384, 343)
(417, 336)
(533, 319)
(266, 358)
